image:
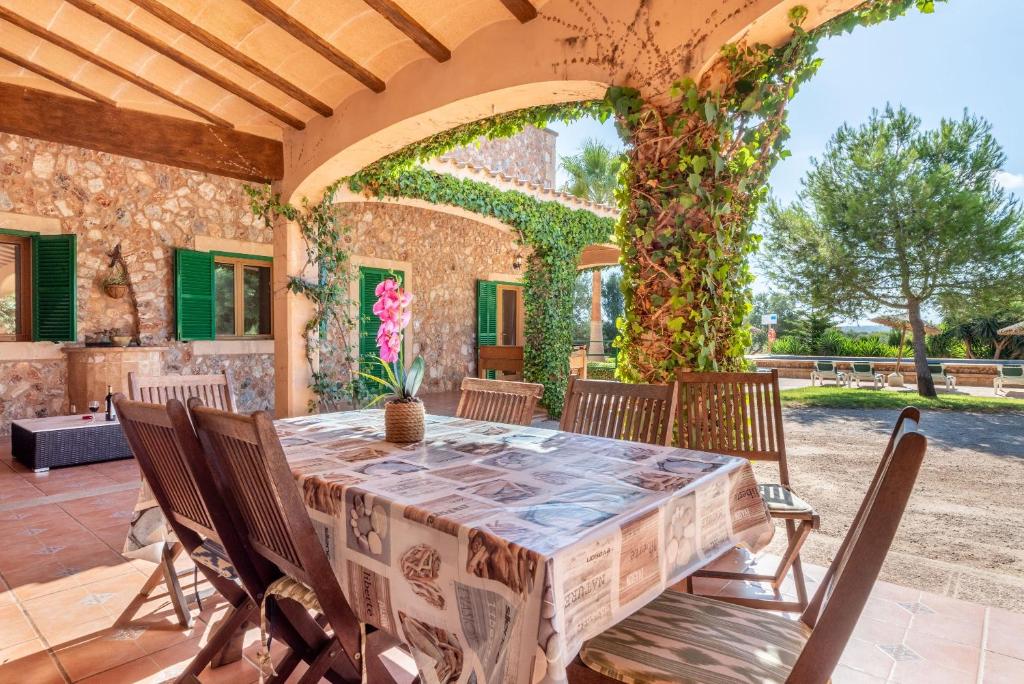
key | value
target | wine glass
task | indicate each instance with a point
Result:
(94, 406)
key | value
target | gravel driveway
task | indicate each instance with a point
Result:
(963, 532)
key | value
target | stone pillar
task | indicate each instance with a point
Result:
(291, 311)
(596, 349)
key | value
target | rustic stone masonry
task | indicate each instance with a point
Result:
(150, 209)
(447, 254)
(529, 156)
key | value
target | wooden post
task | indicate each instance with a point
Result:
(596, 347)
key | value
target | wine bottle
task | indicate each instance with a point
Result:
(110, 403)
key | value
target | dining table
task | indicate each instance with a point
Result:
(494, 551)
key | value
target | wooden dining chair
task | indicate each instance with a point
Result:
(500, 401)
(212, 390)
(602, 408)
(152, 437)
(740, 414)
(685, 638)
(248, 465)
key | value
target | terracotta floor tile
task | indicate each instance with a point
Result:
(879, 632)
(1006, 633)
(846, 675)
(955, 608)
(67, 633)
(143, 670)
(884, 610)
(1000, 669)
(69, 607)
(925, 672)
(97, 654)
(29, 662)
(945, 653)
(14, 627)
(967, 632)
(176, 658)
(866, 657)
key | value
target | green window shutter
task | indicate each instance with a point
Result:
(487, 316)
(54, 288)
(369, 324)
(193, 295)
(486, 313)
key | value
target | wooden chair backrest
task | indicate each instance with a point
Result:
(578, 363)
(500, 401)
(248, 462)
(733, 413)
(213, 390)
(505, 359)
(161, 458)
(602, 408)
(837, 605)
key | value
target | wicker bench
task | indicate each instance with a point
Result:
(44, 443)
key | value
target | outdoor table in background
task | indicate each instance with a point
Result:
(493, 551)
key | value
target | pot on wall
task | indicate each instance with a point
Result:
(404, 421)
(115, 291)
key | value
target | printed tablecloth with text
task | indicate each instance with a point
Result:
(493, 551)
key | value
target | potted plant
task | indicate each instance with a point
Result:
(403, 410)
(116, 283)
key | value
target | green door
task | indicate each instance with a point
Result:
(369, 324)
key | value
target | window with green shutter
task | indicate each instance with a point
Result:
(54, 288)
(369, 324)
(486, 313)
(194, 295)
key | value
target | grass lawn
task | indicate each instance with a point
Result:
(842, 397)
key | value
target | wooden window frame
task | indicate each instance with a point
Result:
(24, 302)
(240, 262)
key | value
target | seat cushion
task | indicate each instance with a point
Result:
(680, 639)
(782, 501)
(212, 555)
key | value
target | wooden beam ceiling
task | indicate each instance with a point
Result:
(521, 9)
(113, 68)
(154, 137)
(314, 41)
(401, 20)
(208, 40)
(56, 78)
(186, 61)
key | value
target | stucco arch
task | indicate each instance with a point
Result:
(571, 52)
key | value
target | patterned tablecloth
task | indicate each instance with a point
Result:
(493, 551)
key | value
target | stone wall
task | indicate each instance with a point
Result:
(529, 155)
(447, 255)
(149, 209)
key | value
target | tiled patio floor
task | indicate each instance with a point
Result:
(70, 610)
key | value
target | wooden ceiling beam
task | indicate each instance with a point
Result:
(193, 65)
(56, 78)
(75, 49)
(212, 42)
(140, 135)
(521, 9)
(316, 42)
(401, 20)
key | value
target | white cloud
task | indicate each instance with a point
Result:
(1010, 181)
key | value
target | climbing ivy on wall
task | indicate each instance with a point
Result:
(556, 236)
(697, 164)
(329, 352)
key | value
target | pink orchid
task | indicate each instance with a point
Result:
(392, 307)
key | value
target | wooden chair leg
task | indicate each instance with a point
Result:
(329, 652)
(177, 596)
(158, 574)
(223, 634)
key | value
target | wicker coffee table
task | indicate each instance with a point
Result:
(44, 443)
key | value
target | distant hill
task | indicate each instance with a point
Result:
(869, 328)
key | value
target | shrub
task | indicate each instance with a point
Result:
(598, 370)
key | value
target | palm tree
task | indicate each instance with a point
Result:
(593, 173)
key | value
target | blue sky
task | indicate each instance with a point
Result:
(967, 54)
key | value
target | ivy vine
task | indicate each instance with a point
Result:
(328, 349)
(556, 236)
(697, 165)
